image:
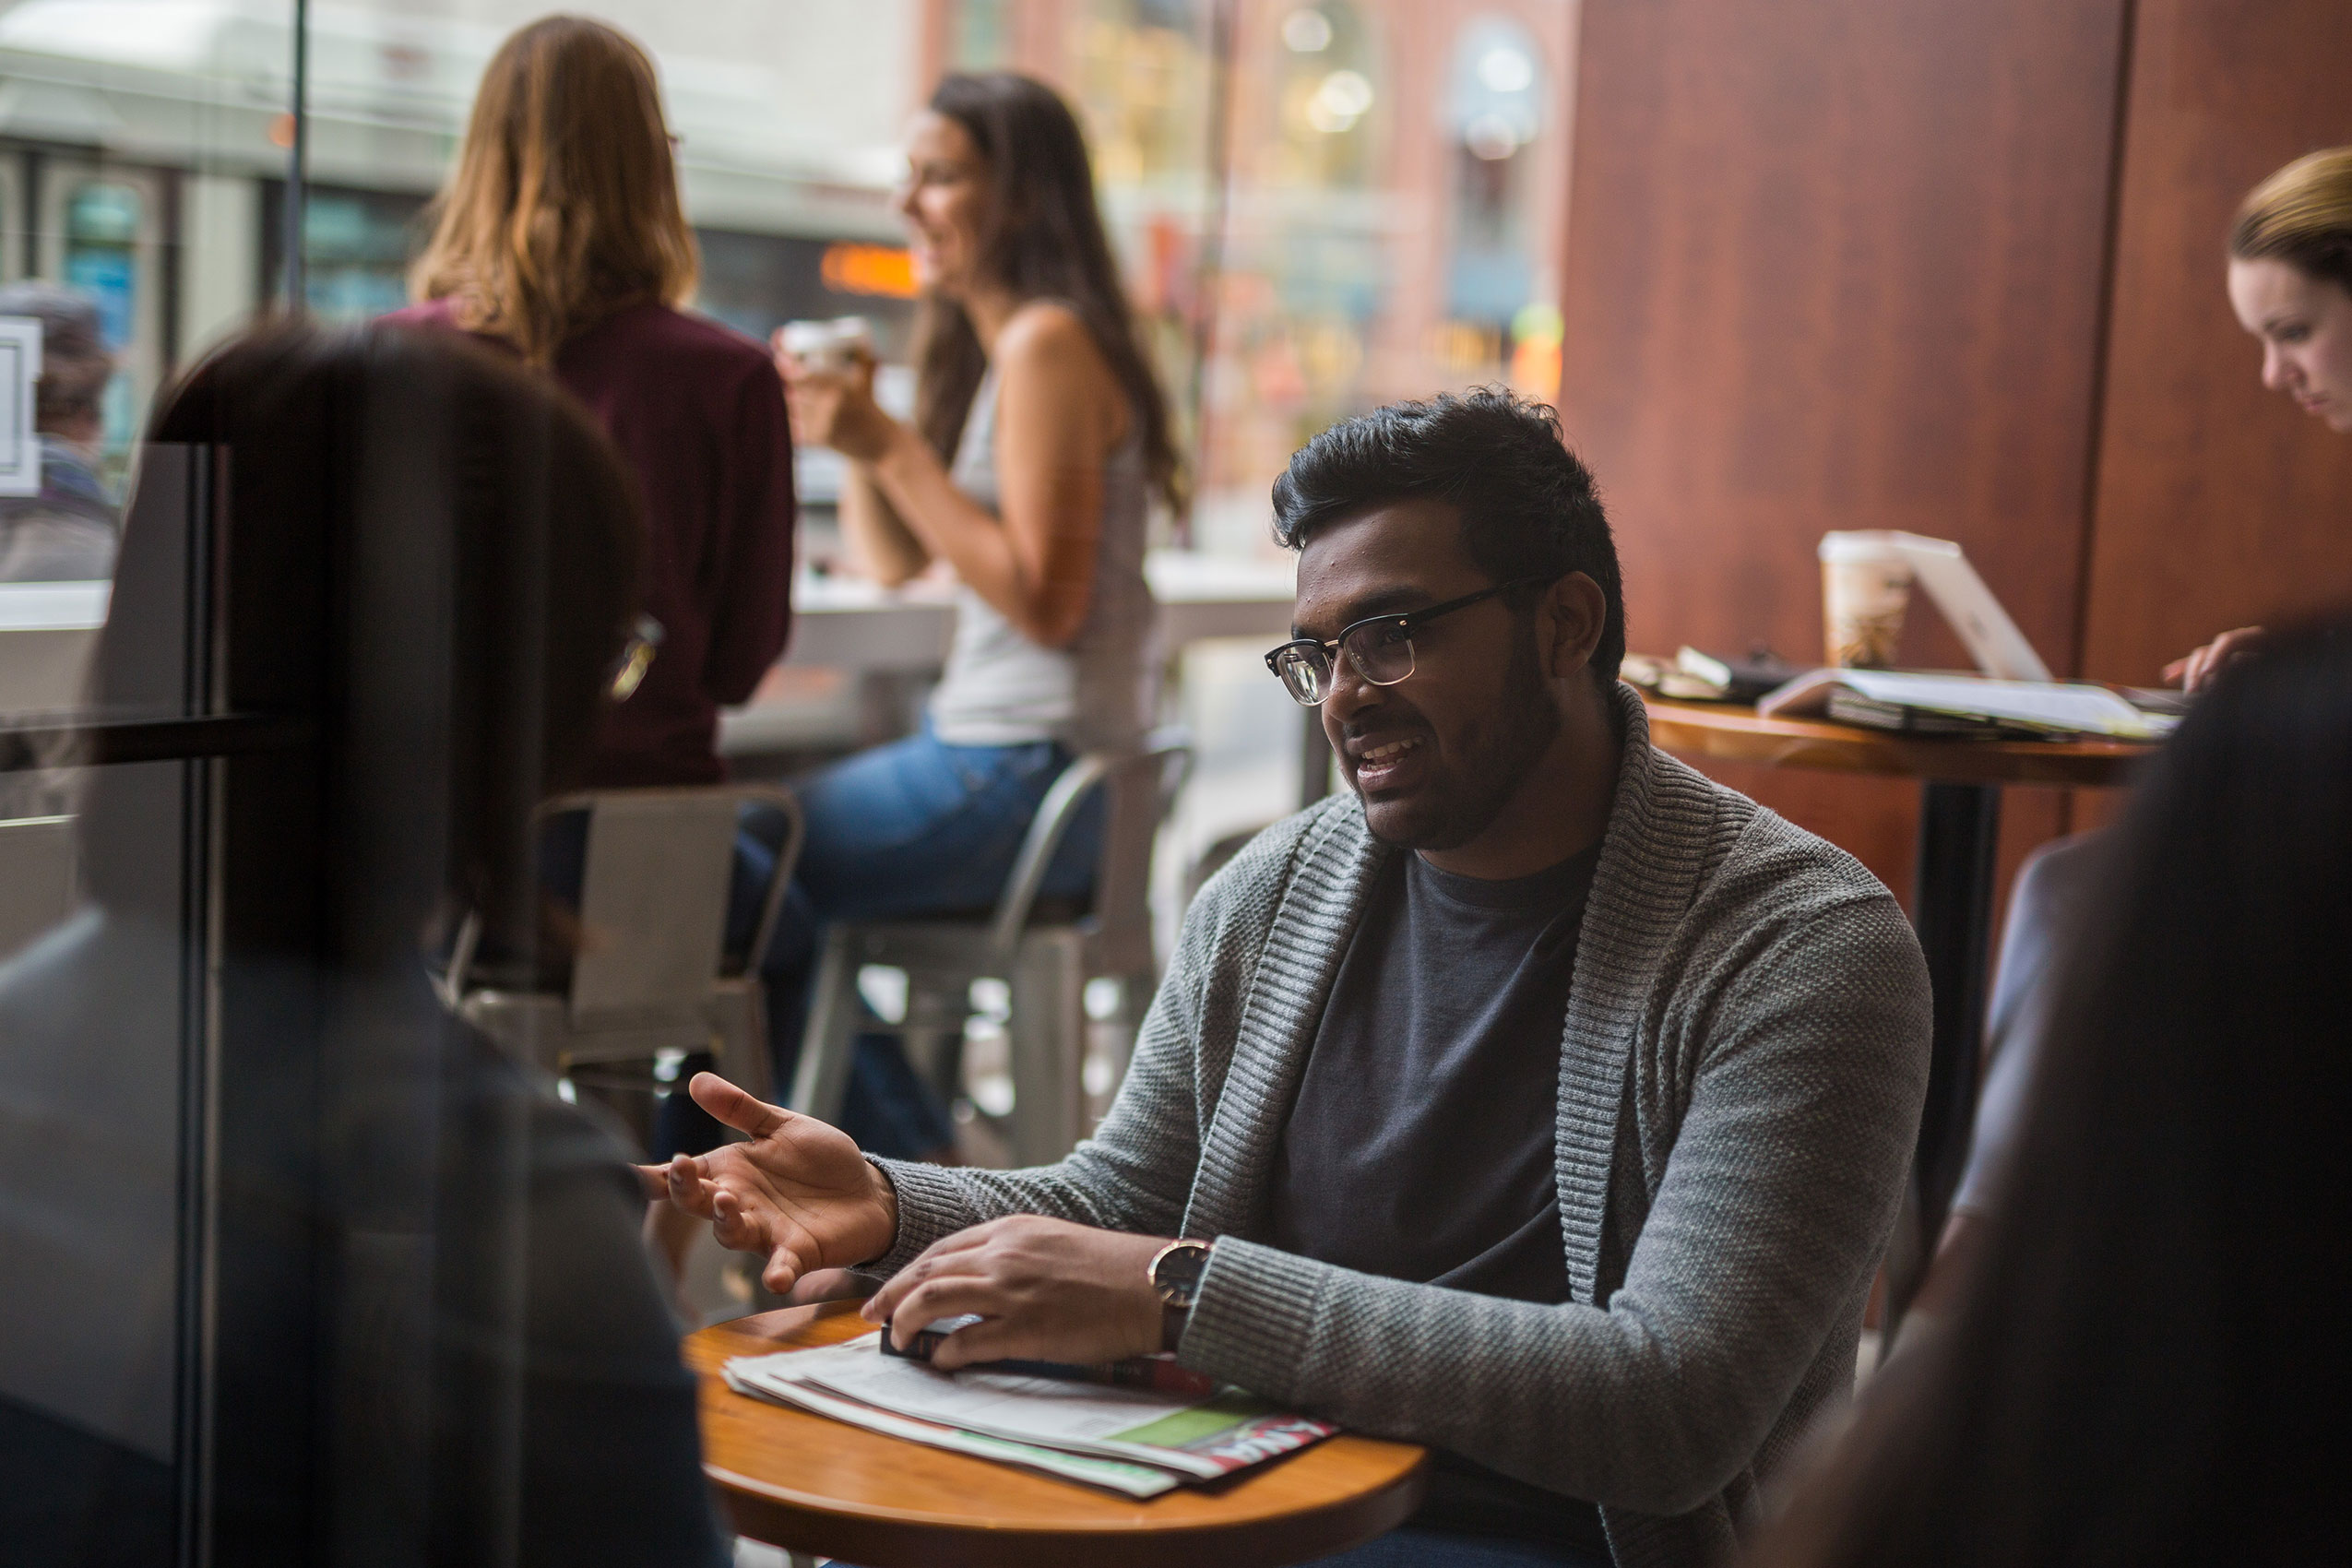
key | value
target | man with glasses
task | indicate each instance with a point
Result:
(1539, 1100)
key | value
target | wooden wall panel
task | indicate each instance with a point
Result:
(2218, 503)
(1840, 266)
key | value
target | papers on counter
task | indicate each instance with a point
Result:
(1887, 696)
(1132, 1441)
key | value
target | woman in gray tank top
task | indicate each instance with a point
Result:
(1039, 436)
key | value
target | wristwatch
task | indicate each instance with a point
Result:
(1175, 1273)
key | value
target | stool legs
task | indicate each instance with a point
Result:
(1048, 1043)
(821, 1080)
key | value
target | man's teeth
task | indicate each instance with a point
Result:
(1394, 749)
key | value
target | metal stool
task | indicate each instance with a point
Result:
(1046, 962)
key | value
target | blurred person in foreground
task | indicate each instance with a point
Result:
(67, 532)
(1538, 1099)
(2291, 284)
(498, 1342)
(1039, 436)
(2136, 1373)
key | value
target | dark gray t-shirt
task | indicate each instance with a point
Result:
(1420, 1145)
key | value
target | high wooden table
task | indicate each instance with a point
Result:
(816, 1486)
(1960, 781)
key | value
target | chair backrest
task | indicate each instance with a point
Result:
(653, 903)
(1142, 790)
(654, 883)
(36, 877)
(1140, 787)
(653, 896)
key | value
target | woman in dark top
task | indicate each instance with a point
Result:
(560, 237)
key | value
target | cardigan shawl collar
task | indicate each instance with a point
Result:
(1650, 863)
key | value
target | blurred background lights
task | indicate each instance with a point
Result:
(1306, 31)
(1506, 69)
(1340, 101)
(1492, 136)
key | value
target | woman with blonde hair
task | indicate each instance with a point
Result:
(2290, 283)
(561, 238)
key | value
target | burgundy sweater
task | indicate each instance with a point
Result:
(699, 413)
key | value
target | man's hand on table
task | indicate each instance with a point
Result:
(798, 1190)
(1045, 1288)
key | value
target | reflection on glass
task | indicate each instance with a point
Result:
(97, 951)
(58, 526)
(134, 145)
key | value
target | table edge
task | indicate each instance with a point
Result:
(1729, 732)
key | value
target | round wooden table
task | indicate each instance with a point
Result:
(1734, 733)
(1961, 780)
(816, 1486)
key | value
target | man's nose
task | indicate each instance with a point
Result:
(1350, 693)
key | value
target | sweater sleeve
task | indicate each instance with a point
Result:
(753, 615)
(1135, 1174)
(1773, 1208)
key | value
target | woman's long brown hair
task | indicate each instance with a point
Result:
(564, 208)
(1042, 238)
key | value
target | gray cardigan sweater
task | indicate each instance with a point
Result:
(1742, 1069)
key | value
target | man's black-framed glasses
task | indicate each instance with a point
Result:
(1380, 647)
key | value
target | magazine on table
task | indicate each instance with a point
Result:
(1179, 1436)
(1136, 1480)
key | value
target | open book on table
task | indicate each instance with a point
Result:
(1130, 1440)
(1935, 704)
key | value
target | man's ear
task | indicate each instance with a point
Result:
(1579, 613)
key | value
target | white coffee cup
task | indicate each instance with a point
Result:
(1865, 588)
(835, 345)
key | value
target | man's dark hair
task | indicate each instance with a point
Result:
(1528, 506)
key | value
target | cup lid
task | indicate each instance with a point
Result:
(1854, 546)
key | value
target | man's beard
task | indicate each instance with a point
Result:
(1529, 723)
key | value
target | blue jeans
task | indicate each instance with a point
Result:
(915, 828)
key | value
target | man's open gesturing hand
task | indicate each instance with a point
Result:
(798, 1190)
(1046, 1290)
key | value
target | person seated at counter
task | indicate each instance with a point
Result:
(1038, 437)
(66, 532)
(561, 238)
(1540, 1100)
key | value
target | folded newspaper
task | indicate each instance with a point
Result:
(1130, 1440)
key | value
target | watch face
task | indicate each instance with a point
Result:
(1177, 1272)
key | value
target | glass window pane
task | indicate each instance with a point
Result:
(138, 142)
